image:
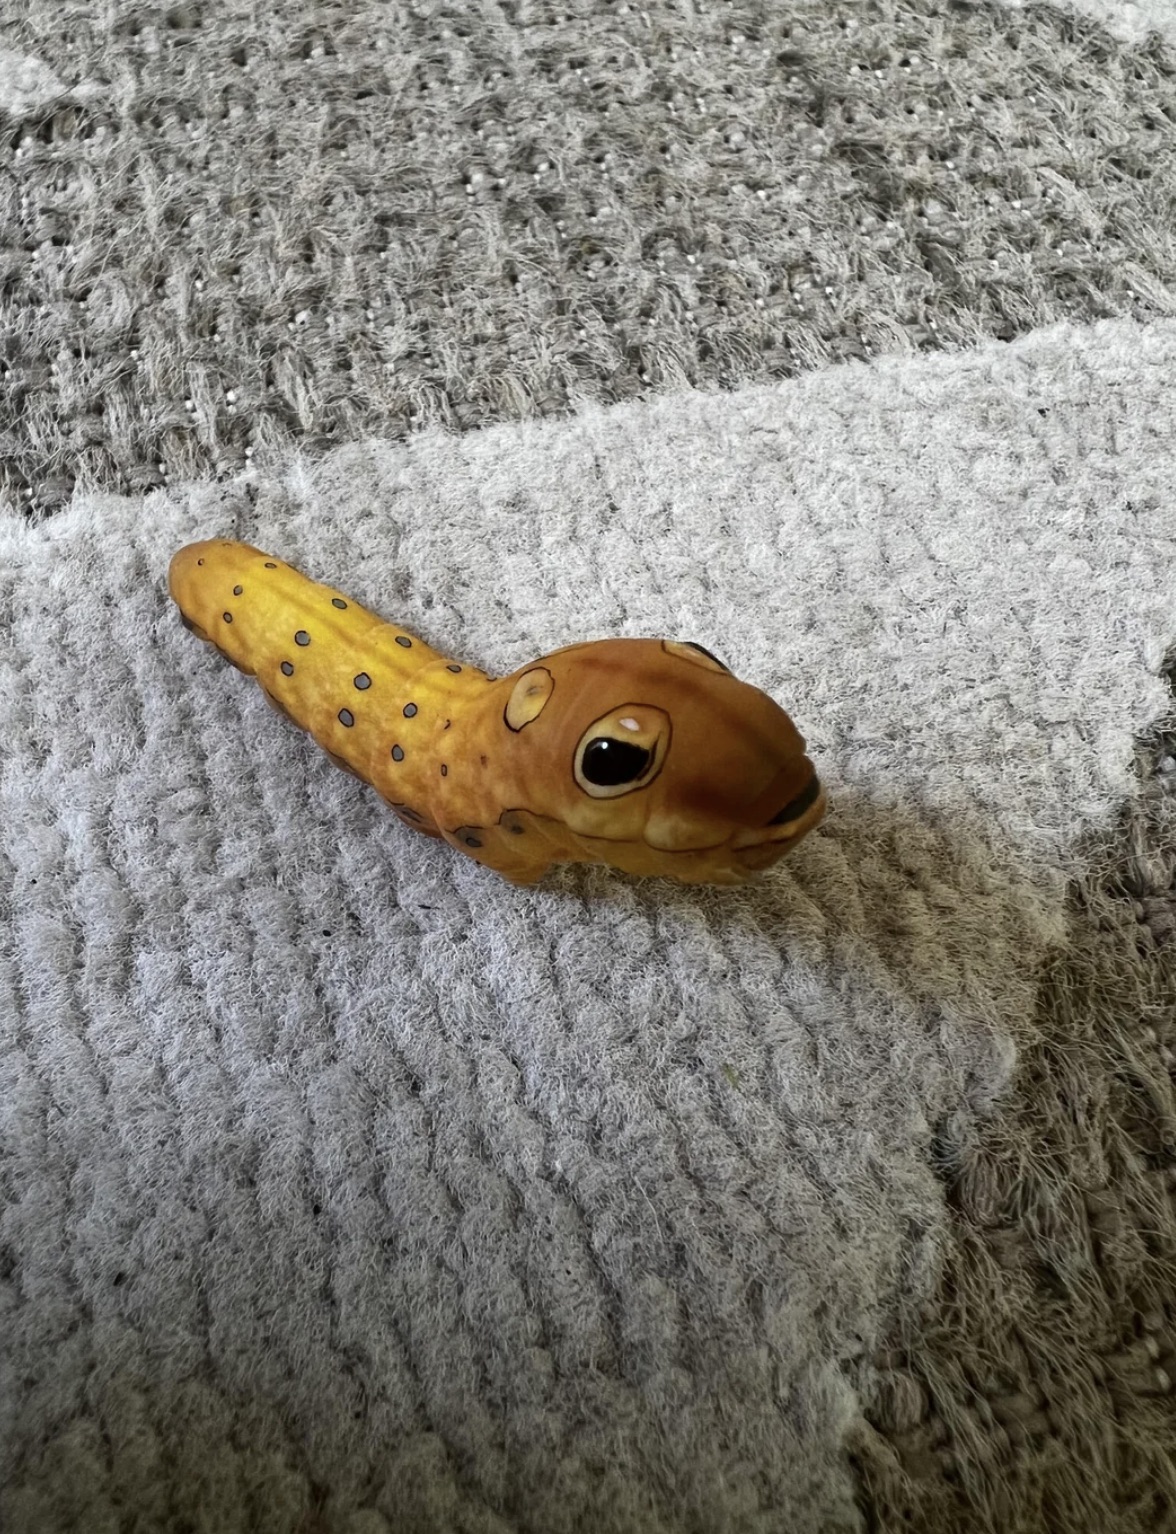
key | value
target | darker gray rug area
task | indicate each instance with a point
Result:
(225, 228)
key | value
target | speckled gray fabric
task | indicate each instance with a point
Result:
(234, 229)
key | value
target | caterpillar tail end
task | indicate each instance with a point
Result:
(188, 583)
(190, 567)
(181, 584)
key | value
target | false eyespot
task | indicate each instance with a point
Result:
(528, 697)
(622, 751)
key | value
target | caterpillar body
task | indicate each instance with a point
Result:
(645, 754)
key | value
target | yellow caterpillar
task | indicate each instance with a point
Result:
(645, 754)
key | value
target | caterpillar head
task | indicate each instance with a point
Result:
(658, 760)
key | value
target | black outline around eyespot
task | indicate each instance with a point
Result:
(651, 777)
(710, 654)
(692, 644)
(518, 729)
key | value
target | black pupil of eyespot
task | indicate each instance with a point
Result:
(608, 763)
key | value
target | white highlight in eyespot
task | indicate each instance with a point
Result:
(629, 724)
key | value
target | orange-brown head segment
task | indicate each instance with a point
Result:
(654, 757)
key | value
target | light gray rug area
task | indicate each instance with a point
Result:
(347, 1188)
(1133, 21)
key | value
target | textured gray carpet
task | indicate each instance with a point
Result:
(226, 232)
(236, 228)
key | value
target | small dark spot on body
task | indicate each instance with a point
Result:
(471, 841)
(269, 564)
(448, 722)
(410, 710)
(302, 637)
(346, 717)
(287, 668)
(397, 753)
(363, 681)
(199, 561)
(228, 617)
(339, 603)
(516, 829)
(404, 641)
(454, 668)
(484, 759)
(237, 590)
(444, 770)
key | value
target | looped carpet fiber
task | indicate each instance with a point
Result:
(226, 230)
(348, 1188)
